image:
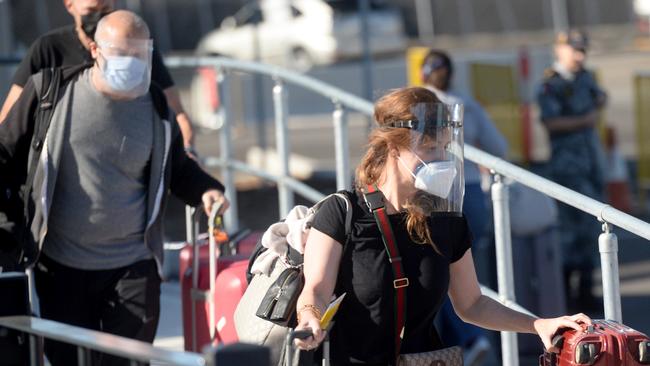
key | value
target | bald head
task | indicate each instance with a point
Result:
(121, 25)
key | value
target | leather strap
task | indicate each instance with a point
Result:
(375, 202)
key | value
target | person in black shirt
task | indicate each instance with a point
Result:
(433, 249)
(70, 45)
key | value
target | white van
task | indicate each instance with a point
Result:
(301, 33)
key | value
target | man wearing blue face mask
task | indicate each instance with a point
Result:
(70, 45)
(107, 161)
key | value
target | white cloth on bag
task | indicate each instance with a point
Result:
(292, 231)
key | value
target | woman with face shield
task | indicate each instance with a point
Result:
(408, 245)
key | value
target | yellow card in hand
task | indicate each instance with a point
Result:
(330, 312)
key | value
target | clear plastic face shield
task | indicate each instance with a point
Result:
(434, 158)
(126, 66)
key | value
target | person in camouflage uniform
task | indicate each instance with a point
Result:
(570, 102)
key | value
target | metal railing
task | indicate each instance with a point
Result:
(343, 102)
(89, 340)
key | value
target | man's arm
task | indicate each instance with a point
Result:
(12, 97)
(550, 105)
(188, 181)
(182, 119)
(17, 129)
(573, 123)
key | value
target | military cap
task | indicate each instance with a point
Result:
(574, 38)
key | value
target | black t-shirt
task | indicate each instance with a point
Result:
(363, 332)
(62, 47)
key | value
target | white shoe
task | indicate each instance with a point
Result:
(477, 352)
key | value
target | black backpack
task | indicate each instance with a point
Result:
(15, 207)
(14, 197)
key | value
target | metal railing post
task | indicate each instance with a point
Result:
(505, 276)
(281, 106)
(342, 147)
(608, 247)
(225, 143)
(34, 354)
(83, 356)
(194, 227)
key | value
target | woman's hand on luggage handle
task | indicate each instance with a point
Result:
(548, 328)
(214, 196)
(310, 322)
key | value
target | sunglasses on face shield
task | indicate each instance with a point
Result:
(430, 128)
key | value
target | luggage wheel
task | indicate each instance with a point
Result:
(585, 354)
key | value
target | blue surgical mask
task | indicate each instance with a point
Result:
(125, 73)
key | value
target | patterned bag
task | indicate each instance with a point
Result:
(451, 356)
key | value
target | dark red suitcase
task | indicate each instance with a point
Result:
(605, 343)
(208, 311)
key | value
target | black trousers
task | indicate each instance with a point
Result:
(123, 301)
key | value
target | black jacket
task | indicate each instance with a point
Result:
(170, 169)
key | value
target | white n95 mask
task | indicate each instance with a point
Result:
(435, 178)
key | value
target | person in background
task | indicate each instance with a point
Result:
(70, 45)
(570, 102)
(478, 131)
(109, 159)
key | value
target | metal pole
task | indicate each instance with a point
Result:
(465, 17)
(425, 20)
(341, 142)
(608, 247)
(364, 10)
(225, 145)
(505, 278)
(82, 356)
(280, 106)
(34, 355)
(258, 84)
(195, 274)
(206, 20)
(42, 16)
(6, 33)
(163, 33)
(560, 17)
(506, 15)
(592, 9)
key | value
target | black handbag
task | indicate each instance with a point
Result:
(279, 303)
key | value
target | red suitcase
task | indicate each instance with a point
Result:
(208, 310)
(605, 343)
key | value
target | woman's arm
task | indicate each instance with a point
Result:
(321, 265)
(476, 308)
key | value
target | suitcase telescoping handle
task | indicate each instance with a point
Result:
(213, 265)
(304, 334)
(194, 214)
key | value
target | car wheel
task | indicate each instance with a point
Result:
(301, 60)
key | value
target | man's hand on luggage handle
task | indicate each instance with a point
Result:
(211, 197)
(547, 329)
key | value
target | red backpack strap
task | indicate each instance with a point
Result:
(375, 201)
